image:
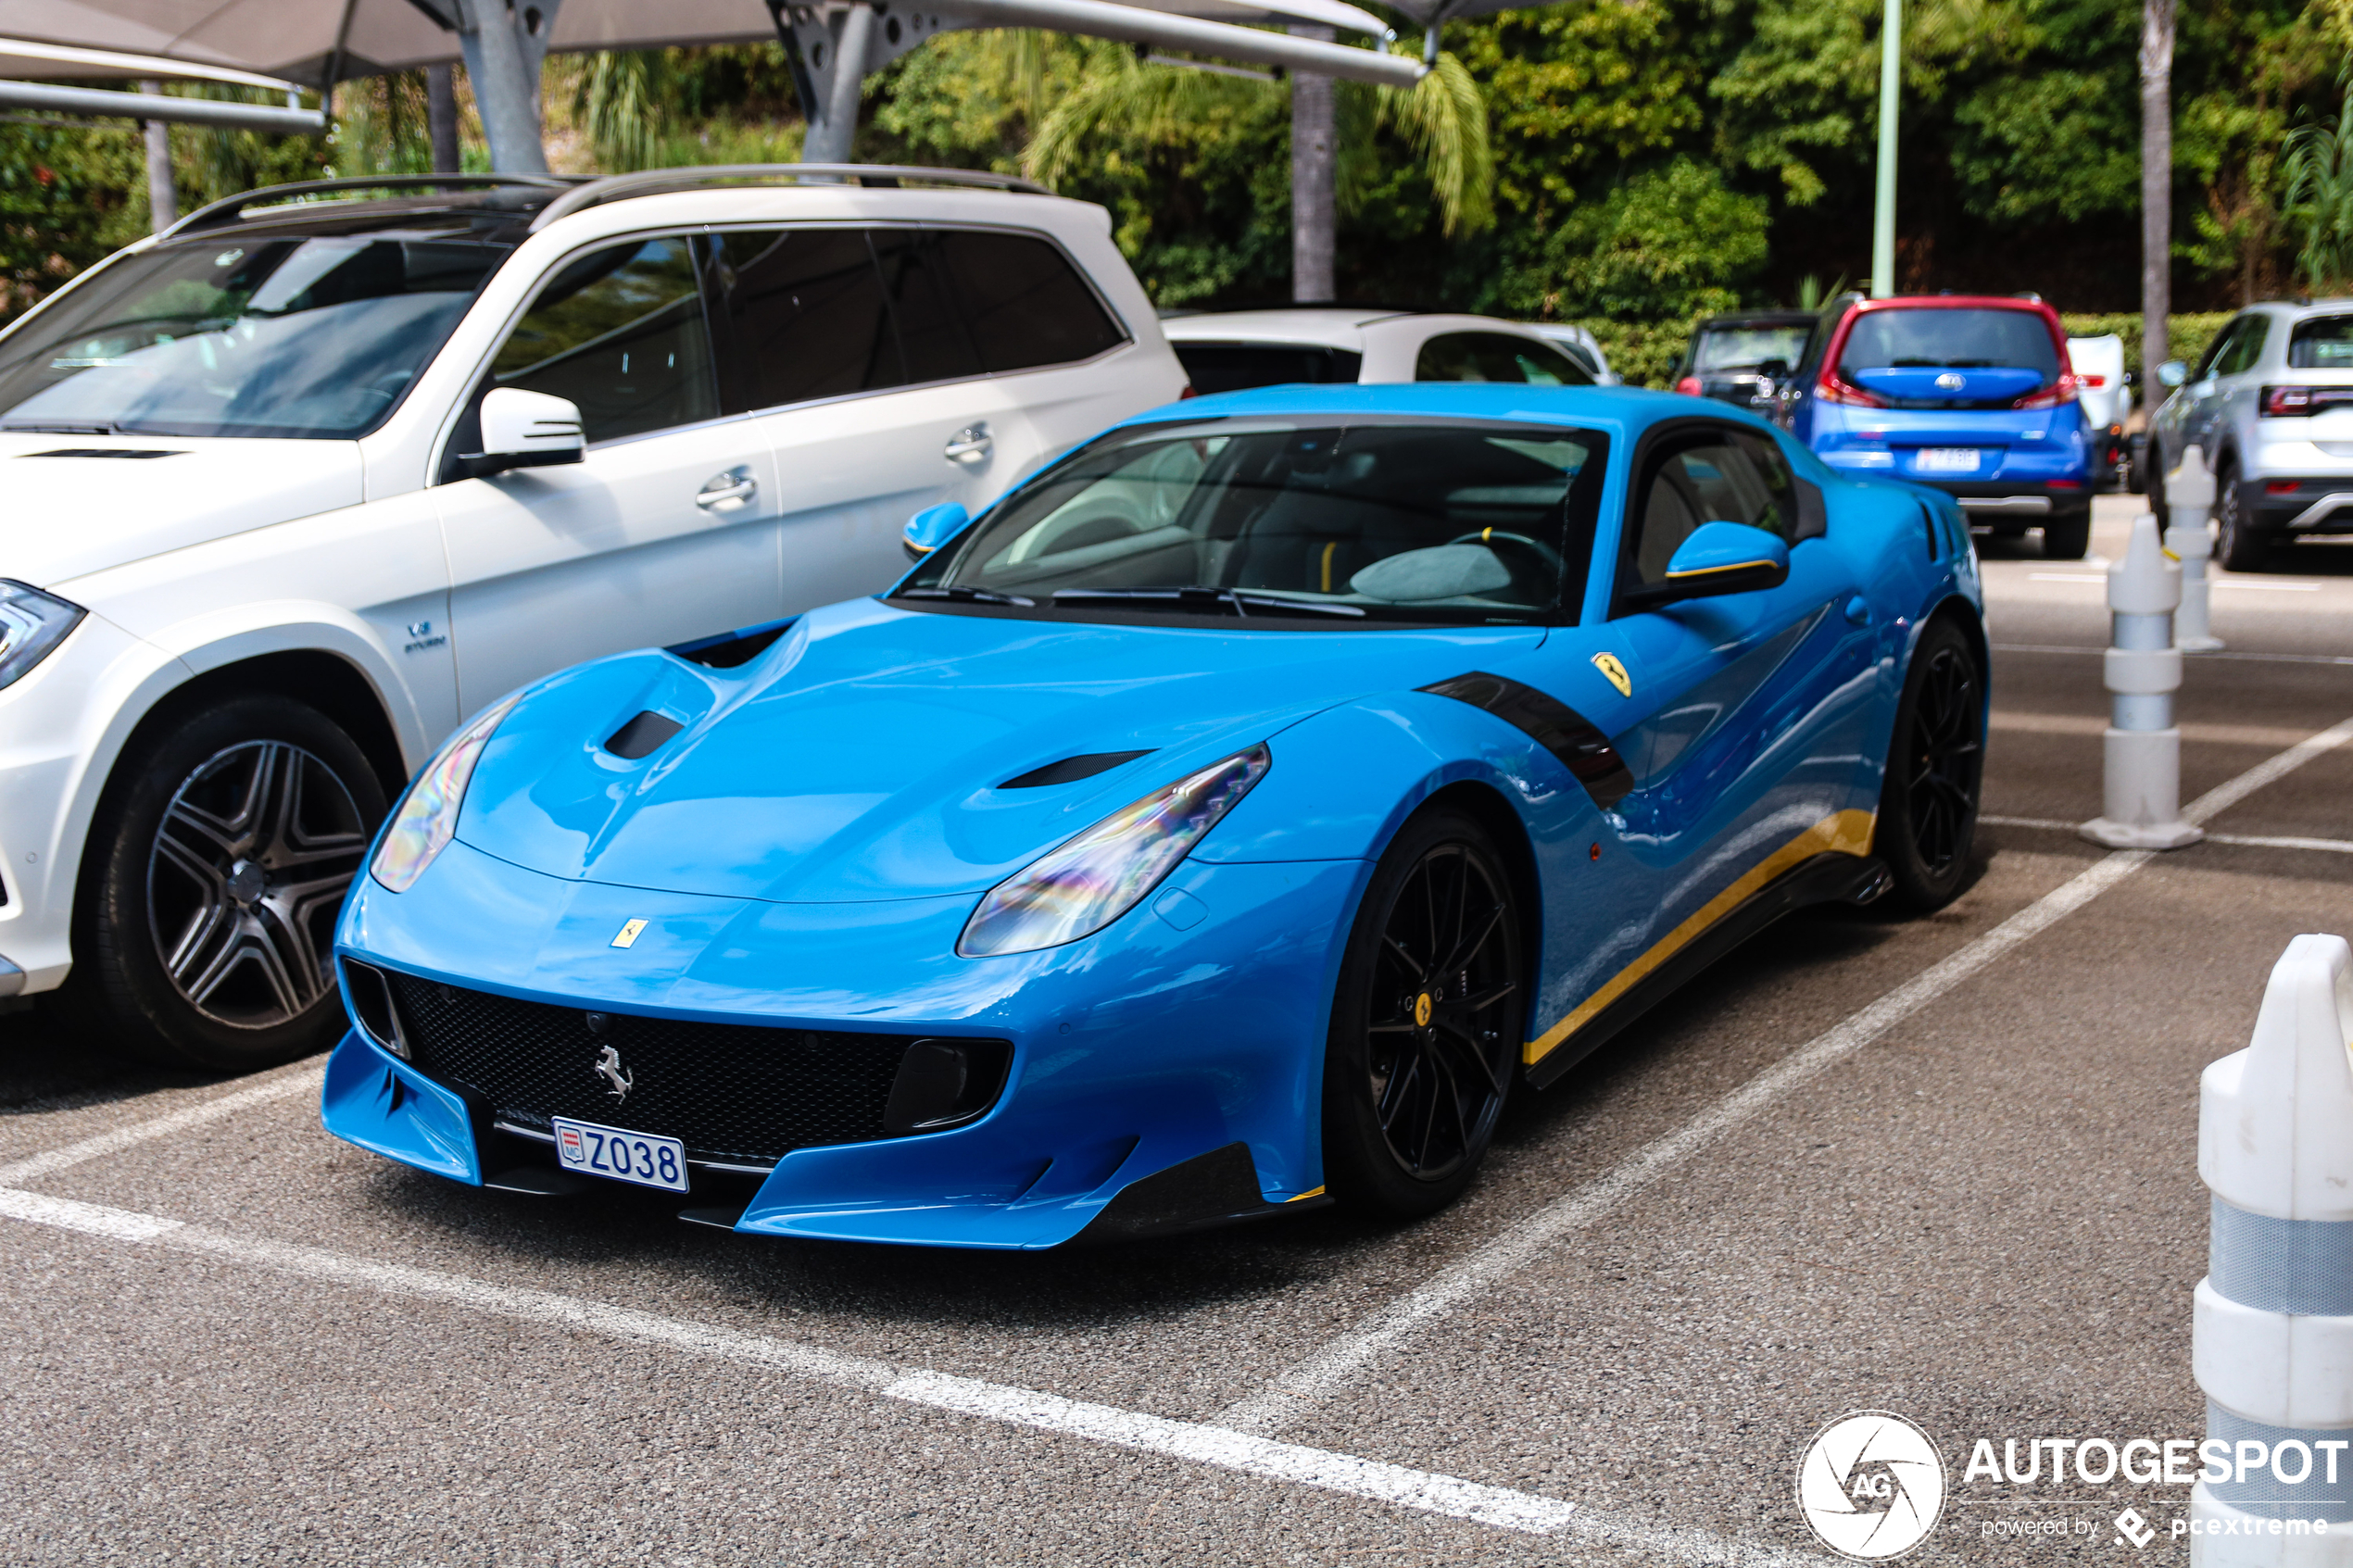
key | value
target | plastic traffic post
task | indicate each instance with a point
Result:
(2189, 501)
(2271, 1333)
(2143, 751)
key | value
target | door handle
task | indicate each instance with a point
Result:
(730, 490)
(970, 444)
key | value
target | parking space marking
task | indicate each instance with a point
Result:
(2269, 736)
(1423, 1491)
(17, 1172)
(1294, 1393)
(2223, 654)
(2249, 840)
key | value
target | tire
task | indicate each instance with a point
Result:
(1935, 772)
(2068, 537)
(1426, 1029)
(2237, 545)
(215, 869)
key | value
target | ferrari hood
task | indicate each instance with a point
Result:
(866, 755)
(79, 503)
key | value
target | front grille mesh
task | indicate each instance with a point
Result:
(730, 1092)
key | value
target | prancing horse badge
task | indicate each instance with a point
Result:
(1615, 673)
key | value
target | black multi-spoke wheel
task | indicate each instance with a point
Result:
(1927, 804)
(1427, 1026)
(214, 871)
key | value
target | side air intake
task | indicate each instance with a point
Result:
(642, 735)
(1070, 770)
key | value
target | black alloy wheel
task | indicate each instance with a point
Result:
(1935, 771)
(2239, 547)
(214, 876)
(1427, 1026)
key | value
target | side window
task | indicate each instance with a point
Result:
(805, 314)
(2246, 346)
(1718, 477)
(933, 342)
(1025, 303)
(621, 332)
(2223, 343)
(1493, 356)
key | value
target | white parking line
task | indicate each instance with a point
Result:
(18, 1172)
(2224, 655)
(2255, 841)
(1422, 1490)
(1294, 1393)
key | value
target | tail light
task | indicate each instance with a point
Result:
(1832, 388)
(2059, 392)
(2280, 487)
(2093, 382)
(1188, 392)
(1689, 386)
(2286, 402)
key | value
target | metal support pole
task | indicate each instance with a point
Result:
(830, 138)
(2156, 195)
(163, 196)
(1315, 198)
(441, 118)
(503, 57)
(1891, 81)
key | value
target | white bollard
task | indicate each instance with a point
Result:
(2271, 1332)
(2142, 750)
(2189, 501)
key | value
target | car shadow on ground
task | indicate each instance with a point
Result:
(45, 1066)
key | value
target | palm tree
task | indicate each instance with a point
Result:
(1443, 118)
(2319, 167)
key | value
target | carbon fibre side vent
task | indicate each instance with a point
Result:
(1551, 724)
(642, 735)
(1070, 770)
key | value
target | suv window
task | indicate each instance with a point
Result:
(1960, 336)
(1236, 367)
(934, 342)
(1714, 476)
(2220, 349)
(1495, 357)
(1025, 304)
(805, 313)
(2246, 347)
(620, 332)
(2324, 342)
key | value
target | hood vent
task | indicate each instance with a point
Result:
(642, 735)
(108, 452)
(1070, 770)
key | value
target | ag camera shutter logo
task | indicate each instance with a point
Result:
(1871, 1485)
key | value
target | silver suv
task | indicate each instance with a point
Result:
(2272, 406)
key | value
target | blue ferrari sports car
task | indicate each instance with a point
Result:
(1224, 822)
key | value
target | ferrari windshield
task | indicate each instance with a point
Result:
(316, 337)
(1341, 524)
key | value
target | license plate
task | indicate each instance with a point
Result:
(622, 1155)
(1948, 460)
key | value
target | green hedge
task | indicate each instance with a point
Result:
(1644, 353)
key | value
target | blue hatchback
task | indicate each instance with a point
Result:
(1972, 395)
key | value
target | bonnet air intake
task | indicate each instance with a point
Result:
(642, 735)
(1070, 770)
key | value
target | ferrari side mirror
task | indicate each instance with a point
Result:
(1721, 558)
(931, 528)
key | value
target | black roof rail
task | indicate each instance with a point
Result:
(654, 181)
(220, 214)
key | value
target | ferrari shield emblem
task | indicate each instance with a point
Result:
(628, 933)
(1614, 673)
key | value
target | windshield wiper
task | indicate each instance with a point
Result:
(36, 429)
(1201, 600)
(958, 594)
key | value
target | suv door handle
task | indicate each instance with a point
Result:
(970, 445)
(730, 490)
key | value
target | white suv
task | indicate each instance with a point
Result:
(289, 490)
(1231, 350)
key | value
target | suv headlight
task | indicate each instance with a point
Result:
(428, 816)
(1090, 881)
(31, 622)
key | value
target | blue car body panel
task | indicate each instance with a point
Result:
(806, 850)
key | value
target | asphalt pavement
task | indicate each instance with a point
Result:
(1945, 1168)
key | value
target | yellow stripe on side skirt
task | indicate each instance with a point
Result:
(1311, 1192)
(1849, 833)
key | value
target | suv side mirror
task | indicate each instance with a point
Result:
(524, 430)
(2172, 373)
(931, 528)
(1720, 557)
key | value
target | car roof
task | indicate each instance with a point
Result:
(1618, 409)
(1332, 326)
(1762, 318)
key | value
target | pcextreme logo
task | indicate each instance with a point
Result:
(1871, 1485)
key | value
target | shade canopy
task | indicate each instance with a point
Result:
(298, 39)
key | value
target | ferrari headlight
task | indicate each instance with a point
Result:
(31, 622)
(428, 816)
(1091, 881)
